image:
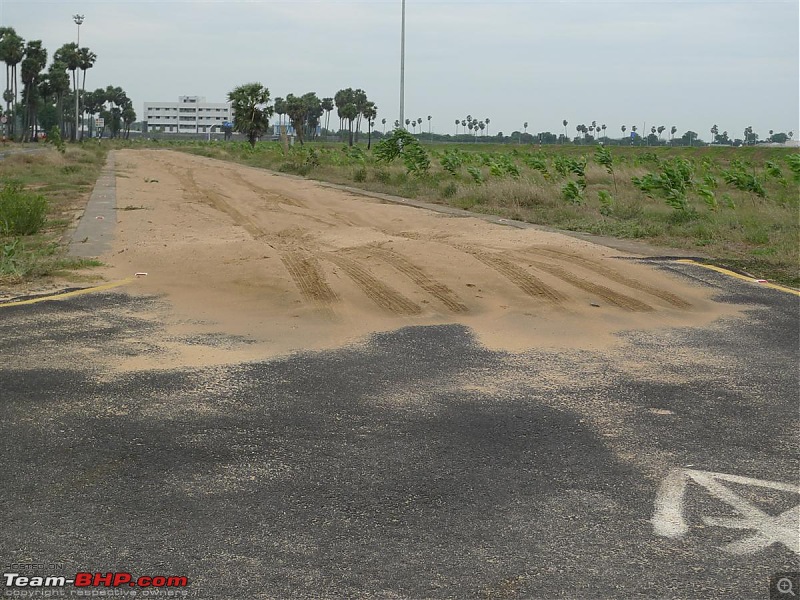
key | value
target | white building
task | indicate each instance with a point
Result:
(190, 114)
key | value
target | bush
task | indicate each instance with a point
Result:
(383, 176)
(449, 190)
(360, 175)
(21, 212)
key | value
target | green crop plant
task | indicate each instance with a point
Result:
(708, 197)
(672, 184)
(737, 177)
(476, 174)
(606, 202)
(793, 160)
(572, 192)
(452, 161)
(603, 157)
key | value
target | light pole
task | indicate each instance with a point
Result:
(78, 21)
(402, 63)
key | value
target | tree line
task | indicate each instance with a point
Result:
(251, 107)
(47, 98)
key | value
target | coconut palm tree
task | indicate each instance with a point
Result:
(673, 130)
(250, 106)
(603, 127)
(486, 120)
(565, 123)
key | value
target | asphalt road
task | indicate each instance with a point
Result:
(416, 465)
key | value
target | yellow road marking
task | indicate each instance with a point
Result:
(729, 273)
(72, 294)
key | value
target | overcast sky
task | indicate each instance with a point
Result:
(686, 63)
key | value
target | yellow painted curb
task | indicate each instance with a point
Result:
(72, 294)
(729, 273)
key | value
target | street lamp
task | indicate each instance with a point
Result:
(78, 21)
(402, 63)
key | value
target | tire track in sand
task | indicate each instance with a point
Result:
(435, 288)
(193, 190)
(263, 192)
(309, 278)
(529, 284)
(597, 267)
(303, 268)
(381, 294)
(609, 295)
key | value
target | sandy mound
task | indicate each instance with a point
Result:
(292, 265)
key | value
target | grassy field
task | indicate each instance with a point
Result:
(59, 185)
(738, 206)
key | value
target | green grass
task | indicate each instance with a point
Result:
(48, 188)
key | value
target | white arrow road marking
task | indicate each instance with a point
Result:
(668, 519)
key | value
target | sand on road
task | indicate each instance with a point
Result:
(287, 264)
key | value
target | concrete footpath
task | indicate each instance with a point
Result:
(95, 231)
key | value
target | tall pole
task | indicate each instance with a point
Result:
(78, 21)
(402, 66)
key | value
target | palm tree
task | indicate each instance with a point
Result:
(327, 106)
(458, 122)
(87, 58)
(93, 102)
(603, 127)
(250, 106)
(481, 125)
(486, 120)
(12, 51)
(408, 122)
(32, 66)
(57, 86)
(565, 123)
(714, 132)
(69, 55)
(383, 121)
(128, 117)
(673, 130)
(430, 135)
(370, 112)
